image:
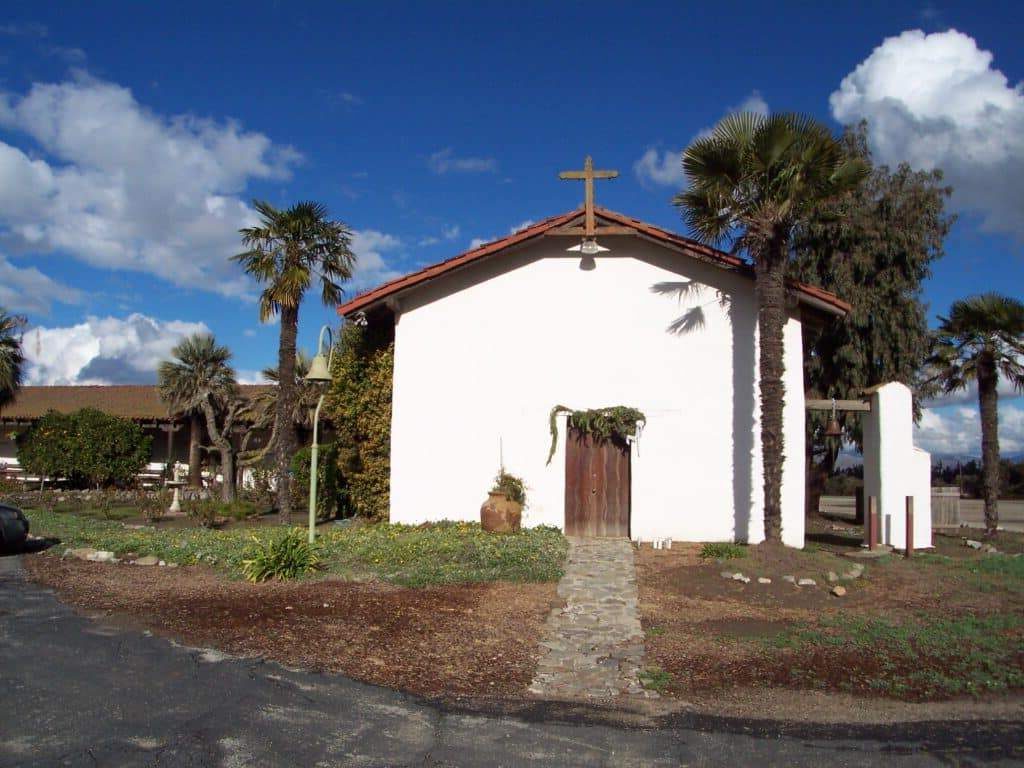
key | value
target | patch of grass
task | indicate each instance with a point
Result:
(925, 658)
(986, 574)
(654, 631)
(722, 550)
(416, 556)
(450, 553)
(655, 679)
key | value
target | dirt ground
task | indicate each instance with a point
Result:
(714, 635)
(481, 641)
(472, 640)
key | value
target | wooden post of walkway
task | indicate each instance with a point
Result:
(872, 522)
(858, 506)
(909, 551)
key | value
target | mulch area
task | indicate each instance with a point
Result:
(713, 635)
(477, 640)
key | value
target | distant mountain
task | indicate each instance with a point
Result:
(952, 459)
(852, 459)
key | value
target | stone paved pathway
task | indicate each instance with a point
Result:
(594, 644)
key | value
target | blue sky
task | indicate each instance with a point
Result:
(133, 137)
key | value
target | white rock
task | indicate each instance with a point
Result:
(744, 579)
(101, 556)
(739, 577)
(838, 590)
(972, 544)
(790, 579)
(147, 560)
(728, 575)
(763, 580)
(807, 583)
(162, 563)
(82, 553)
(833, 576)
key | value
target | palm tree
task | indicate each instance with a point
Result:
(12, 359)
(753, 181)
(261, 408)
(981, 340)
(287, 252)
(200, 355)
(201, 380)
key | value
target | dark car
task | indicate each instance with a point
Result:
(13, 528)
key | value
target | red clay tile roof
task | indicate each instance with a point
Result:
(130, 401)
(812, 295)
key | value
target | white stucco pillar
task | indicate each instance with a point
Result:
(893, 468)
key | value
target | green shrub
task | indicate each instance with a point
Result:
(722, 550)
(240, 509)
(204, 511)
(329, 492)
(511, 486)
(154, 506)
(261, 492)
(359, 407)
(284, 557)
(87, 448)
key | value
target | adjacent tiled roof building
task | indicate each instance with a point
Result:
(131, 401)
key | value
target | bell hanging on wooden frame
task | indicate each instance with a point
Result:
(832, 429)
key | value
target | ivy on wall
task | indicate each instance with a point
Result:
(359, 406)
(617, 422)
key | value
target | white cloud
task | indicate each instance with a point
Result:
(936, 101)
(447, 233)
(957, 429)
(26, 289)
(24, 29)
(476, 242)
(445, 160)
(969, 395)
(250, 376)
(664, 167)
(369, 246)
(105, 350)
(120, 187)
(753, 103)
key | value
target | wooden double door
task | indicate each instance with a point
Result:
(597, 485)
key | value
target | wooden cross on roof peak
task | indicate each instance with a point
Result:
(587, 175)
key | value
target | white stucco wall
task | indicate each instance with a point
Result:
(894, 468)
(484, 354)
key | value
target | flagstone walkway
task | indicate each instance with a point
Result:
(594, 644)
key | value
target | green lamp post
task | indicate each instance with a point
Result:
(319, 373)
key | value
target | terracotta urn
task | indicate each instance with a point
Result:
(499, 514)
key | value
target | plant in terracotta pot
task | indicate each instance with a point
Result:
(503, 510)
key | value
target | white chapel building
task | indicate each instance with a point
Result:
(488, 342)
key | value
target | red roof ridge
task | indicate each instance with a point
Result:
(373, 295)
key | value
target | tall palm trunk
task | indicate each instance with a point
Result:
(770, 273)
(988, 404)
(283, 423)
(195, 467)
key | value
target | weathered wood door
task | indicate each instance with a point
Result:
(596, 486)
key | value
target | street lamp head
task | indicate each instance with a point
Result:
(318, 370)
